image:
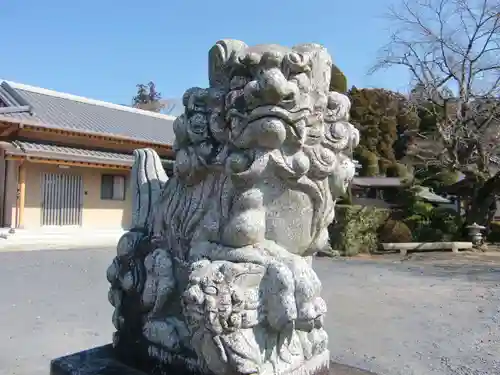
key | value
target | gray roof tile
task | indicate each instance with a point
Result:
(41, 149)
(426, 194)
(80, 114)
(49, 151)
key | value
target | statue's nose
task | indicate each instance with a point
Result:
(275, 88)
(270, 88)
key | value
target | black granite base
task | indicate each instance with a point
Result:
(102, 361)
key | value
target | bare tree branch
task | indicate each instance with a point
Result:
(451, 48)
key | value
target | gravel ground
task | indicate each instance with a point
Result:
(425, 316)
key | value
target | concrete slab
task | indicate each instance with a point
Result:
(404, 247)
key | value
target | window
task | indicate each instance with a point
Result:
(113, 187)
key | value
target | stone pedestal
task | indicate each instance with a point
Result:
(102, 361)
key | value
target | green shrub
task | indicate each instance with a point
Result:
(383, 166)
(420, 211)
(394, 231)
(397, 170)
(448, 222)
(372, 170)
(360, 229)
(494, 233)
(356, 229)
(369, 162)
(426, 233)
(429, 224)
(437, 178)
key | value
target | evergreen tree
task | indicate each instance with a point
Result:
(450, 48)
(148, 98)
(383, 118)
(338, 81)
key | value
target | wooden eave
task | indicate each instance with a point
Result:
(70, 163)
(55, 158)
(7, 128)
(34, 127)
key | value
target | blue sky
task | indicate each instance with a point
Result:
(102, 48)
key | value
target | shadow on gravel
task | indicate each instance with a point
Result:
(339, 369)
(485, 273)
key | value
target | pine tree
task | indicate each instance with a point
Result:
(148, 98)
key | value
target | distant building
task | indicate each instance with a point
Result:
(65, 160)
(374, 191)
(382, 192)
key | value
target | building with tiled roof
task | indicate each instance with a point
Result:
(65, 159)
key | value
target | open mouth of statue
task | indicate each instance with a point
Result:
(277, 112)
(314, 133)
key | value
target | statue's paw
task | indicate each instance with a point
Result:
(319, 339)
(278, 286)
(310, 314)
(281, 312)
(320, 306)
(307, 312)
(307, 283)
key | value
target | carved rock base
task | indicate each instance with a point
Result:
(103, 361)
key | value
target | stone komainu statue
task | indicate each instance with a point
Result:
(215, 275)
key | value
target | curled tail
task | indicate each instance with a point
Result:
(147, 181)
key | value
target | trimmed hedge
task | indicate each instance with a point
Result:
(356, 229)
(394, 231)
(430, 224)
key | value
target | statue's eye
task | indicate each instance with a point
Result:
(297, 63)
(338, 130)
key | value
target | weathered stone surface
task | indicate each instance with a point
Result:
(215, 274)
